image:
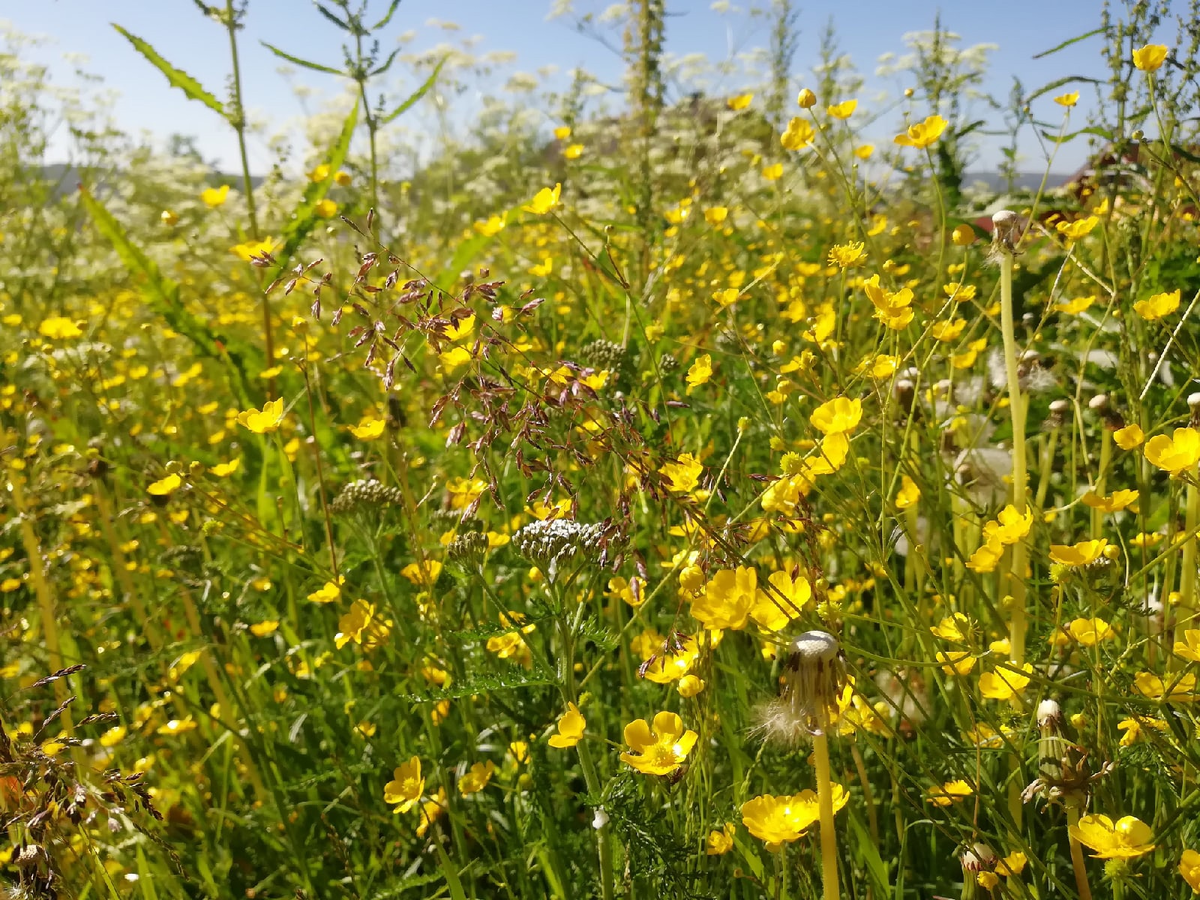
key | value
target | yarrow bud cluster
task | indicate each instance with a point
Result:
(603, 354)
(468, 549)
(548, 543)
(365, 494)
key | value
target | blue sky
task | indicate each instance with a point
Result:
(866, 29)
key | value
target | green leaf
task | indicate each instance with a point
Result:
(1069, 41)
(305, 218)
(417, 95)
(1060, 82)
(387, 16)
(345, 26)
(867, 852)
(177, 77)
(316, 67)
(387, 65)
(1098, 132)
(163, 296)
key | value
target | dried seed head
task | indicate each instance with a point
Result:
(1193, 402)
(1008, 229)
(1049, 715)
(978, 858)
(1058, 413)
(814, 677)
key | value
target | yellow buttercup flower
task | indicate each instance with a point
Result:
(329, 592)
(570, 728)
(1150, 57)
(1067, 100)
(369, 429)
(740, 102)
(1115, 502)
(842, 110)
(845, 255)
(544, 200)
(799, 134)
(1005, 683)
(682, 475)
(955, 662)
(909, 493)
(837, 416)
(716, 215)
(1129, 437)
(164, 486)
(1189, 647)
(58, 328)
(954, 628)
(1080, 554)
(1158, 306)
(727, 599)
(700, 371)
(1174, 454)
(922, 134)
(1010, 526)
(1189, 868)
(406, 787)
(214, 197)
(1088, 632)
(659, 749)
(1073, 231)
(719, 842)
(476, 778)
(951, 792)
(1176, 689)
(782, 819)
(491, 226)
(806, 99)
(263, 421)
(1127, 838)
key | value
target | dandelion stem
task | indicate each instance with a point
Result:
(829, 868)
(1186, 609)
(1081, 879)
(1017, 407)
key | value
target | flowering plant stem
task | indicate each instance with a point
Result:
(1187, 577)
(1081, 879)
(566, 633)
(829, 869)
(1016, 631)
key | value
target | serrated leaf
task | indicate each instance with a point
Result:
(163, 296)
(332, 18)
(177, 77)
(417, 94)
(387, 65)
(305, 217)
(316, 67)
(387, 17)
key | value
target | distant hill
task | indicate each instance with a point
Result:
(1024, 180)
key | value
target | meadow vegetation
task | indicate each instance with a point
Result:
(625, 493)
